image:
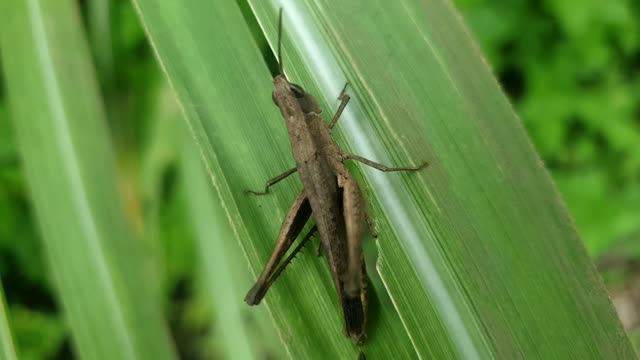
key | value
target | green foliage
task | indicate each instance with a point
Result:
(38, 334)
(572, 70)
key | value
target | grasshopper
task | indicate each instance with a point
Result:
(330, 195)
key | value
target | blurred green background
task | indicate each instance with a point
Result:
(571, 68)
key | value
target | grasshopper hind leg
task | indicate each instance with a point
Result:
(259, 290)
(297, 216)
(382, 167)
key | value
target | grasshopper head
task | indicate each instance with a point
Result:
(290, 97)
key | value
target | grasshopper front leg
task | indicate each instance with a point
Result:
(344, 100)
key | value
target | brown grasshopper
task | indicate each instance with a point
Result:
(330, 194)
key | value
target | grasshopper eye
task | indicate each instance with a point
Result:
(296, 90)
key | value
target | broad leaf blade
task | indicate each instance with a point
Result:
(101, 274)
(478, 251)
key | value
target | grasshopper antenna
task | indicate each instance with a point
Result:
(280, 42)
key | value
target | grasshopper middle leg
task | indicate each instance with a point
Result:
(272, 182)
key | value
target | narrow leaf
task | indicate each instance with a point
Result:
(478, 251)
(101, 274)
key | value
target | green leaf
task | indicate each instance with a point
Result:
(102, 276)
(477, 252)
(7, 348)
